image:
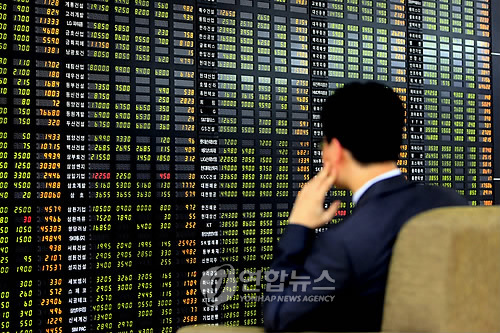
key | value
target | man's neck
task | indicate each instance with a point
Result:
(362, 174)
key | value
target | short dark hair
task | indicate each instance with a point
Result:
(367, 118)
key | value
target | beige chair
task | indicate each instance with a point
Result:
(444, 275)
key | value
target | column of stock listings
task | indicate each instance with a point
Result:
(143, 142)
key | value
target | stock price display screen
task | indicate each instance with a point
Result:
(145, 141)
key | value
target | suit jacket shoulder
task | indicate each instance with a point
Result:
(356, 253)
(370, 232)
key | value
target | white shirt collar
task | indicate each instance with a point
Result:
(389, 174)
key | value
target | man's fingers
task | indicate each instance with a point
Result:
(328, 182)
(322, 175)
(318, 186)
(330, 212)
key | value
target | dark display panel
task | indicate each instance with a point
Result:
(495, 64)
(143, 142)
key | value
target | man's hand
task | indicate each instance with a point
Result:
(308, 207)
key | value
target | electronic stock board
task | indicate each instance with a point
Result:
(143, 141)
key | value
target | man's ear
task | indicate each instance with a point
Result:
(337, 151)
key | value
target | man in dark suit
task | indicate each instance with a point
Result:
(344, 269)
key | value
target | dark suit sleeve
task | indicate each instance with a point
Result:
(300, 254)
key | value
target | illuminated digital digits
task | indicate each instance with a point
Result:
(145, 141)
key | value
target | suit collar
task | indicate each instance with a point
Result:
(391, 173)
(380, 188)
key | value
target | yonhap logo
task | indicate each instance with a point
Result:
(218, 284)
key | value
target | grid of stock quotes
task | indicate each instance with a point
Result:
(143, 142)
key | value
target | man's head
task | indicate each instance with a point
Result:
(362, 127)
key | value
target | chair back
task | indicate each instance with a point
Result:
(444, 274)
